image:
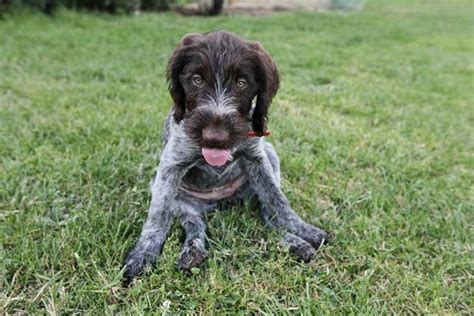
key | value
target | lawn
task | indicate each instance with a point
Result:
(373, 124)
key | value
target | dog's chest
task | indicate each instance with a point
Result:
(211, 183)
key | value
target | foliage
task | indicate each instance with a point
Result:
(112, 6)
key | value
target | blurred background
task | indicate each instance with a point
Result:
(189, 7)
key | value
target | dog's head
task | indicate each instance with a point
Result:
(213, 79)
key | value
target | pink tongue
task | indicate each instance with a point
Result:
(216, 157)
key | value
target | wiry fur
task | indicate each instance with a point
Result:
(220, 58)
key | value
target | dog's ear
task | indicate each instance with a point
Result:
(269, 80)
(180, 57)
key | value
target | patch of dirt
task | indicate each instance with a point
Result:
(266, 7)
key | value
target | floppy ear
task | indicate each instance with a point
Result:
(269, 80)
(180, 57)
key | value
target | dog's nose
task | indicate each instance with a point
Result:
(214, 137)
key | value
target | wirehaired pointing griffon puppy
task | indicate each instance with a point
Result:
(222, 87)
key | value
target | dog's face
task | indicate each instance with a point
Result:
(213, 79)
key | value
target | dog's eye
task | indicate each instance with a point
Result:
(197, 79)
(241, 83)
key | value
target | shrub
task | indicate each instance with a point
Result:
(112, 6)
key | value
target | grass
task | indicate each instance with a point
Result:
(373, 124)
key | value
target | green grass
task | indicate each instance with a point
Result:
(373, 124)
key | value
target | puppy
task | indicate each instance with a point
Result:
(222, 87)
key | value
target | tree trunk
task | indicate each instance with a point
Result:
(211, 7)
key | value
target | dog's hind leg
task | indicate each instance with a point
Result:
(151, 242)
(160, 217)
(193, 252)
(300, 237)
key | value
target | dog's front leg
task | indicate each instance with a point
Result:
(193, 252)
(160, 217)
(277, 213)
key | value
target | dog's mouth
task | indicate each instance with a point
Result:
(216, 157)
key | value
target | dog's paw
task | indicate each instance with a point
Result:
(315, 236)
(304, 252)
(134, 265)
(298, 247)
(192, 255)
(132, 269)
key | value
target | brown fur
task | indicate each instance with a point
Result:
(222, 56)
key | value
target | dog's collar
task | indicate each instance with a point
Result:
(255, 134)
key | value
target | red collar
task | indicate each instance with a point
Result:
(255, 134)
